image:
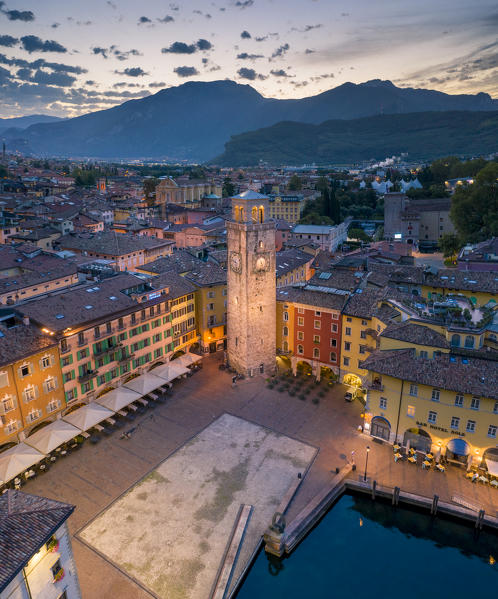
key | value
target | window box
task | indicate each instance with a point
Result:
(59, 575)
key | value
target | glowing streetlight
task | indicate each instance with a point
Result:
(366, 464)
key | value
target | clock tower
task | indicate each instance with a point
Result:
(251, 314)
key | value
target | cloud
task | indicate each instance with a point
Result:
(307, 28)
(186, 71)
(99, 50)
(143, 20)
(5, 75)
(32, 43)
(246, 56)
(174, 7)
(42, 63)
(8, 41)
(111, 4)
(166, 19)
(157, 84)
(245, 35)
(244, 3)
(58, 79)
(55, 25)
(132, 72)
(280, 51)
(280, 73)
(18, 15)
(183, 48)
(309, 51)
(250, 74)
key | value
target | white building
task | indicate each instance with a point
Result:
(35, 549)
(328, 237)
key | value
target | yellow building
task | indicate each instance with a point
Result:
(211, 305)
(31, 389)
(286, 207)
(421, 392)
(364, 317)
(293, 266)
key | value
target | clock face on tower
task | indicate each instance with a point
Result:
(261, 264)
(235, 262)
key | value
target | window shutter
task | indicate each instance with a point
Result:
(35, 389)
(40, 362)
(56, 382)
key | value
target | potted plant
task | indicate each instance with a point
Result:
(53, 545)
(59, 575)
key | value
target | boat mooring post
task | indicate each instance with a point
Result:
(374, 486)
(435, 501)
(479, 519)
(396, 491)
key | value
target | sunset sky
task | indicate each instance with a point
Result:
(66, 58)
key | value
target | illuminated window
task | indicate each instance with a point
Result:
(410, 411)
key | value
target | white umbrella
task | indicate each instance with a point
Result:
(117, 399)
(16, 460)
(187, 359)
(145, 383)
(51, 436)
(88, 416)
(170, 371)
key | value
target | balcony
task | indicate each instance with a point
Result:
(376, 386)
(108, 350)
(283, 352)
(126, 358)
(90, 374)
(372, 333)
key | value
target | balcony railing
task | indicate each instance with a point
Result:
(108, 350)
(376, 386)
(372, 333)
(126, 358)
(90, 374)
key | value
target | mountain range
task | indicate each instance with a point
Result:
(423, 135)
(22, 122)
(193, 121)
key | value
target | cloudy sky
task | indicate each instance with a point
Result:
(70, 57)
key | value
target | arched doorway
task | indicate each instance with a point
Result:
(74, 407)
(458, 450)
(490, 460)
(104, 391)
(177, 354)
(38, 427)
(381, 428)
(283, 364)
(155, 365)
(352, 380)
(6, 446)
(419, 439)
(303, 367)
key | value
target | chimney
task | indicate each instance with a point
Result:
(25, 320)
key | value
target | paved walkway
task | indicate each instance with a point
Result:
(95, 476)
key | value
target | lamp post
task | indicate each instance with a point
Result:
(366, 464)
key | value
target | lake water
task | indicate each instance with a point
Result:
(368, 549)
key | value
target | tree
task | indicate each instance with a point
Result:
(322, 184)
(474, 208)
(358, 234)
(295, 183)
(334, 207)
(150, 190)
(228, 188)
(313, 218)
(449, 244)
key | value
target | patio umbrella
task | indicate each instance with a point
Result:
(145, 383)
(187, 359)
(51, 436)
(17, 459)
(170, 371)
(117, 399)
(88, 416)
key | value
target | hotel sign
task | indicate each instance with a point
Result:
(440, 428)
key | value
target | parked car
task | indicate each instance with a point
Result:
(348, 396)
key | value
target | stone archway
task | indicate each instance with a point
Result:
(419, 439)
(6, 446)
(155, 365)
(38, 427)
(380, 427)
(177, 354)
(353, 380)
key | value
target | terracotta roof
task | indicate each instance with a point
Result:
(288, 260)
(415, 333)
(110, 243)
(20, 341)
(454, 373)
(207, 273)
(364, 304)
(325, 298)
(27, 522)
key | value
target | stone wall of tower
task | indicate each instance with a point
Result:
(251, 312)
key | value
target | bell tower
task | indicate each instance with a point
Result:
(251, 313)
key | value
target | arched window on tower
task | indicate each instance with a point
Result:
(254, 214)
(237, 213)
(261, 214)
(242, 217)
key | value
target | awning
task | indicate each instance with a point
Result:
(458, 447)
(51, 436)
(117, 399)
(88, 416)
(492, 466)
(187, 359)
(145, 383)
(16, 460)
(170, 371)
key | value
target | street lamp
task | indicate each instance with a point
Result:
(366, 464)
